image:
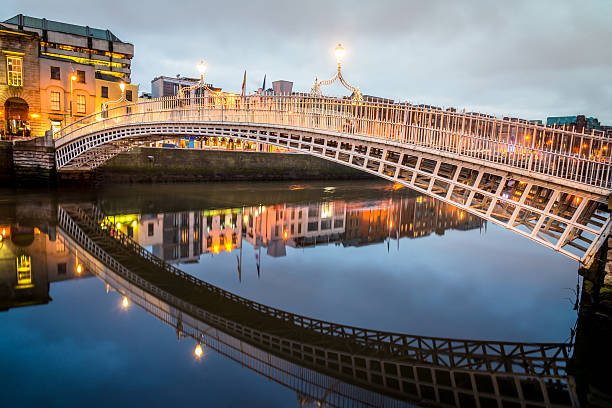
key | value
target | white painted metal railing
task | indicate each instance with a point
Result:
(563, 154)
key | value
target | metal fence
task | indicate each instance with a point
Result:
(582, 157)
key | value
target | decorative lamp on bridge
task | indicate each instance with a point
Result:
(339, 52)
(202, 69)
(122, 86)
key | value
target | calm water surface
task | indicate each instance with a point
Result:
(356, 253)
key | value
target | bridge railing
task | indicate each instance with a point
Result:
(581, 157)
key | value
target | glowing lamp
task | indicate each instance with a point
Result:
(285, 235)
(34, 115)
(73, 77)
(198, 351)
(134, 224)
(202, 68)
(125, 302)
(339, 52)
(79, 269)
(122, 86)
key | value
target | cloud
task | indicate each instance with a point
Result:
(526, 58)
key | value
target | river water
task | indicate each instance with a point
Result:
(364, 254)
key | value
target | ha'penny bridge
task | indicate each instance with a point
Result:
(550, 185)
(325, 363)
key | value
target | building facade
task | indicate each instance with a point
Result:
(54, 73)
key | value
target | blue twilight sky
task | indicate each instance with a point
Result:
(526, 58)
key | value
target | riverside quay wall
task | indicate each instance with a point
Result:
(147, 164)
(23, 162)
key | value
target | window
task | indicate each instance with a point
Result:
(61, 268)
(55, 100)
(55, 73)
(326, 224)
(104, 92)
(312, 226)
(14, 71)
(150, 229)
(128, 95)
(80, 76)
(80, 104)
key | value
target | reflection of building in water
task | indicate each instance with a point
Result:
(222, 230)
(29, 261)
(182, 237)
(411, 217)
(275, 227)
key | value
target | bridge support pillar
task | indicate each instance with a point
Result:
(34, 160)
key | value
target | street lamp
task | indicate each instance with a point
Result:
(316, 88)
(122, 87)
(72, 79)
(202, 69)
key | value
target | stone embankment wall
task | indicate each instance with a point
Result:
(178, 165)
(6, 162)
(34, 160)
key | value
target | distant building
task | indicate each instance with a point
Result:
(282, 87)
(53, 72)
(169, 86)
(146, 95)
(578, 122)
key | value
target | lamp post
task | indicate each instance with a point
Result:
(202, 70)
(316, 88)
(72, 79)
(201, 67)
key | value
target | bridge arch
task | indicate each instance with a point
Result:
(476, 163)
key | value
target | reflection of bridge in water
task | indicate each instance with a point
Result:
(325, 363)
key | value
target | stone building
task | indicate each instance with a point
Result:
(72, 69)
(19, 84)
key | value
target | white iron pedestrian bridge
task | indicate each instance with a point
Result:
(550, 185)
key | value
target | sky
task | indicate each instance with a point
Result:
(523, 58)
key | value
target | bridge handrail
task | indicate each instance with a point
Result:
(581, 157)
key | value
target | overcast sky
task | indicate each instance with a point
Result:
(526, 58)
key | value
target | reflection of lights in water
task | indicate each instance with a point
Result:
(327, 210)
(296, 187)
(216, 248)
(329, 189)
(125, 302)
(228, 246)
(198, 351)
(246, 218)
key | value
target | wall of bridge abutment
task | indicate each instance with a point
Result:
(28, 162)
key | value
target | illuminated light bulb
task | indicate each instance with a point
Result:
(118, 225)
(79, 268)
(198, 351)
(73, 77)
(339, 52)
(3, 232)
(202, 67)
(134, 224)
(122, 86)
(125, 302)
(285, 235)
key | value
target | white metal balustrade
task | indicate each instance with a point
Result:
(557, 154)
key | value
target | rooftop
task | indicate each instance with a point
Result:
(44, 24)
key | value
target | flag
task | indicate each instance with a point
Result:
(263, 87)
(257, 263)
(244, 84)
(239, 269)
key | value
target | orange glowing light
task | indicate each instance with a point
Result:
(125, 302)
(216, 248)
(285, 235)
(228, 246)
(3, 232)
(79, 269)
(461, 215)
(198, 351)
(398, 186)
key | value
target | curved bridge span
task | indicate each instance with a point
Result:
(543, 183)
(326, 364)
